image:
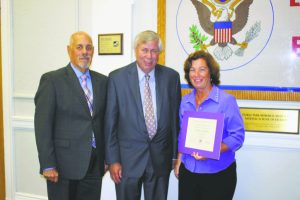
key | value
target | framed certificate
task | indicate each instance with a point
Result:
(110, 44)
(202, 133)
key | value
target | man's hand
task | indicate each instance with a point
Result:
(176, 167)
(176, 164)
(115, 172)
(51, 175)
(105, 168)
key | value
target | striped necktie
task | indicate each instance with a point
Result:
(89, 99)
(87, 92)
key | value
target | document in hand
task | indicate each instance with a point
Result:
(202, 132)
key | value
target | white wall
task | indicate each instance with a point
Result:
(34, 38)
(35, 35)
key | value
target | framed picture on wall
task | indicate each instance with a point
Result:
(110, 44)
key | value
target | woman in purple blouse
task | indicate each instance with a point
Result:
(202, 178)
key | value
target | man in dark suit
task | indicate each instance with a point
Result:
(69, 115)
(139, 150)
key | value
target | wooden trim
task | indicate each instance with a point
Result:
(161, 27)
(2, 169)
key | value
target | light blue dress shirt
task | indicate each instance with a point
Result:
(88, 80)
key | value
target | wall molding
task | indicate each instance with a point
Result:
(23, 122)
(23, 95)
(26, 196)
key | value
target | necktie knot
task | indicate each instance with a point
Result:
(83, 77)
(147, 77)
(87, 92)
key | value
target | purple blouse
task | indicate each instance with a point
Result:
(233, 133)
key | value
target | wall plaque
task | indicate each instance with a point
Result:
(271, 120)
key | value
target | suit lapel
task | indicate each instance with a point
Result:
(159, 93)
(76, 87)
(133, 80)
(96, 85)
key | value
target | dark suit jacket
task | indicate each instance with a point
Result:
(63, 124)
(126, 137)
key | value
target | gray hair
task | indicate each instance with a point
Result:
(147, 36)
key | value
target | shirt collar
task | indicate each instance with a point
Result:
(213, 95)
(79, 73)
(141, 74)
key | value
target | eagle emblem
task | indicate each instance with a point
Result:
(221, 20)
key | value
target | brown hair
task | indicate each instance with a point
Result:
(213, 66)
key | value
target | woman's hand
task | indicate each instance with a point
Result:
(224, 147)
(198, 157)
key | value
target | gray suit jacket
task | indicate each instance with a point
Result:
(63, 124)
(126, 137)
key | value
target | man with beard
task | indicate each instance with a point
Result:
(70, 105)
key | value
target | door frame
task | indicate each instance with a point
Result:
(2, 166)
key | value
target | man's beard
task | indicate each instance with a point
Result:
(87, 66)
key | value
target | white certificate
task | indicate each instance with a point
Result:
(202, 132)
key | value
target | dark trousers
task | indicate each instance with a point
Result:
(217, 186)
(155, 187)
(88, 188)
